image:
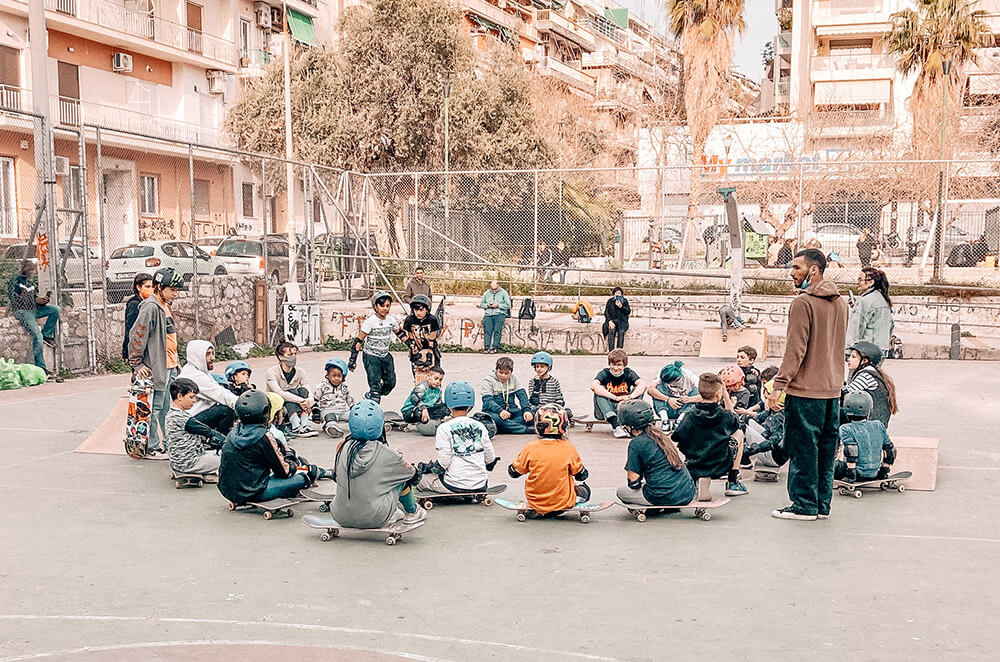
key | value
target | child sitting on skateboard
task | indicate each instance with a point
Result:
(254, 467)
(190, 442)
(465, 452)
(735, 381)
(551, 463)
(653, 458)
(675, 393)
(764, 446)
(374, 483)
(505, 399)
(616, 383)
(238, 377)
(544, 389)
(333, 398)
(424, 406)
(710, 438)
(868, 451)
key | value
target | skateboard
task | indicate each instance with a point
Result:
(887, 483)
(324, 498)
(701, 508)
(182, 480)
(584, 509)
(394, 421)
(140, 391)
(333, 528)
(485, 497)
(273, 508)
(765, 475)
(588, 423)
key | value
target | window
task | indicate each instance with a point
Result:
(171, 250)
(248, 200)
(245, 31)
(277, 248)
(149, 195)
(201, 187)
(8, 201)
(72, 187)
(129, 252)
(240, 248)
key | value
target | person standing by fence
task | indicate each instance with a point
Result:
(142, 288)
(871, 315)
(496, 306)
(616, 313)
(417, 285)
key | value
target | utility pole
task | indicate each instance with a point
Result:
(447, 158)
(939, 226)
(289, 170)
(42, 138)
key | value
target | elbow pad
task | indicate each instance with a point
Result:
(890, 453)
(355, 348)
(490, 465)
(582, 476)
(851, 453)
(512, 471)
(635, 484)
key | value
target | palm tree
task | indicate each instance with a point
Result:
(922, 40)
(706, 29)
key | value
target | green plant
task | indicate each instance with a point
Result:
(117, 366)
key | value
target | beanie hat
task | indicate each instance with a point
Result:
(671, 372)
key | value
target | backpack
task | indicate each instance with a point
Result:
(583, 315)
(527, 312)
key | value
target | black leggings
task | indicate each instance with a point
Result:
(615, 338)
(218, 417)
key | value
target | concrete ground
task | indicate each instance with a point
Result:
(104, 560)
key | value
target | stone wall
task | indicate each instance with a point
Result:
(222, 301)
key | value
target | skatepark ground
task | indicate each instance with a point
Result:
(102, 559)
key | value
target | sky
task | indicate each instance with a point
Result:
(761, 28)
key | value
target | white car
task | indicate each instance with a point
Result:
(74, 261)
(839, 237)
(210, 244)
(148, 256)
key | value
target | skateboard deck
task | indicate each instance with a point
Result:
(271, 509)
(701, 508)
(584, 509)
(182, 480)
(485, 497)
(333, 528)
(765, 475)
(394, 421)
(588, 423)
(324, 498)
(887, 483)
(140, 392)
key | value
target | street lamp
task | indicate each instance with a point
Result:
(939, 226)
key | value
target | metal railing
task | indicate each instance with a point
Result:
(550, 66)
(878, 64)
(495, 14)
(550, 21)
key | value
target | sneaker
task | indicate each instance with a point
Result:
(789, 512)
(53, 377)
(419, 516)
(736, 488)
(620, 433)
(305, 432)
(823, 516)
(333, 430)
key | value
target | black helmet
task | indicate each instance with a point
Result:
(635, 414)
(868, 350)
(253, 407)
(420, 300)
(167, 277)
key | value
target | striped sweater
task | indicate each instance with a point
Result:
(545, 392)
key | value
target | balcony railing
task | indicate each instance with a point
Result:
(851, 118)
(850, 12)
(599, 59)
(111, 16)
(547, 20)
(495, 14)
(549, 66)
(855, 65)
(15, 98)
(255, 57)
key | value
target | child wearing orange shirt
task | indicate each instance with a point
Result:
(551, 464)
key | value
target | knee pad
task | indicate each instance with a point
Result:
(583, 492)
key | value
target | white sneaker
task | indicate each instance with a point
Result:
(620, 432)
(333, 430)
(305, 432)
(419, 516)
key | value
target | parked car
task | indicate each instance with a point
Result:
(841, 238)
(74, 261)
(950, 238)
(245, 255)
(210, 244)
(148, 256)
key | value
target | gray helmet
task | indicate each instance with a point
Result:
(253, 407)
(420, 300)
(858, 405)
(868, 350)
(379, 295)
(636, 414)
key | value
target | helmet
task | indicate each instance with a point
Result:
(636, 414)
(671, 372)
(769, 387)
(868, 350)
(551, 421)
(420, 300)
(379, 295)
(858, 404)
(336, 363)
(235, 367)
(459, 395)
(733, 377)
(543, 358)
(167, 277)
(487, 421)
(366, 421)
(252, 407)
(277, 403)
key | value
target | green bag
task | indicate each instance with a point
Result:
(31, 375)
(10, 378)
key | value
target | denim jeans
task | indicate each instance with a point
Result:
(615, 338)
(812, 428)
(282, 488)
(493, 330)
(513, 425)
(158, 409)
(672, 414)
(381, 371)
(294, 407)
(605, 409)
(29, 320)
(218, 417)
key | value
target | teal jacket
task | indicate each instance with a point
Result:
(870, 319)
(499, 297)
(423, 394)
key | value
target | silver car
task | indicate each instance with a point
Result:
(245, 255)
(72, 253)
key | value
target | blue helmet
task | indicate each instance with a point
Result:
(459, 395)
(336, 363)
(542, 357)
(235, 367)
(366, 421)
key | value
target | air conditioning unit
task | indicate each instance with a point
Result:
(262, 11)
(121, 62)
(277, 23)
(62, 166)
(216, 81)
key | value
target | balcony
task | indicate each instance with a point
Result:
(496, 15)
(851, 17)
(107, 22)
(605, 28)
(850, 123)
(253, 61)
(549, 66)
(783, 42)
(547, 20)
(616, 100)
(600, 59)
(869, 66)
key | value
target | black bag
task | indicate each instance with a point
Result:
(527, 312)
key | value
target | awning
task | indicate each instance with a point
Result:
(506, 35)
(302, 28)
(989, 84)
(845, 93)
(617, 16)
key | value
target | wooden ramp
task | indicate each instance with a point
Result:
(920, 456)
(712, 346)
(109, 437)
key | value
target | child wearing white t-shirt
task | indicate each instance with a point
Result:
(375, 338)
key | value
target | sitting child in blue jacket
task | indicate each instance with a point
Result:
(868, 451)
(505, 399)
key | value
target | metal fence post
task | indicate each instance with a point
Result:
(416, 217)
(102, 230)
(798, 207)
(194, 250)
(534, 246)
(85, 244)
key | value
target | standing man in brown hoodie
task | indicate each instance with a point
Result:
(811, 374)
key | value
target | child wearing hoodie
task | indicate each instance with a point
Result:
(374, 483)
(214, 406)
(505, 399)
(675, 393)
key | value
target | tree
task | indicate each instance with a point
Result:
(922, 40)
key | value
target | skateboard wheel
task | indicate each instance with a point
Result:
(428, 504)
(857, 494)
(326, 537)
(391, 540)
(488, 501)
(290, 512)
(590, 428)
(585, 518)
(268, 514)
(844, 491)
(640, 517)
(705, 516)
(177, 484)
(901, 488)
(232, 506)
(521, 517)
(324, 508)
